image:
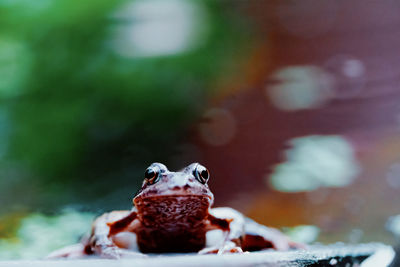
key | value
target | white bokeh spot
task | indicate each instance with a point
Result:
(313, 162)
(299, 87)
(159, 28)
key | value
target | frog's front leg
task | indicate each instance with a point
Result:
(224, 231)
(113, 235)
(242, 234)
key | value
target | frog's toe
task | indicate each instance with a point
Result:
(71, 252)
(235, 249)
(211, 250)
(226, 248)
(118, 253)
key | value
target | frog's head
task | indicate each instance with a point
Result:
(167, 192)
(159, 182)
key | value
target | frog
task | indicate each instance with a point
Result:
(173, 213)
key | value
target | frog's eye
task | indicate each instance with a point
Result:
(201, 174)
(151, 175)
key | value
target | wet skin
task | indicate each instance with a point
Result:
(172, 213)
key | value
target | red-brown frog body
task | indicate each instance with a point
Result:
(172, 213)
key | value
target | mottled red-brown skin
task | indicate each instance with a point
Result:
(172, 213)
(182, 228)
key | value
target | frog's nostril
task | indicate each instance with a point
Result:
(177, 188)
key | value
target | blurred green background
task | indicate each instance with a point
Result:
(293, 106)
(85, 109)
(92, 92)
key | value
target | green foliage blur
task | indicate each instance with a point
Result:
(80, 121)
(35, 235)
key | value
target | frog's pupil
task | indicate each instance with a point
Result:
(204, 174)
(149, 174)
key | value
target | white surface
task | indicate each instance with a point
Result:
(266, 258)
(382, 258)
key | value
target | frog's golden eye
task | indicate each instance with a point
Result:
(201, 174)
(151, 175)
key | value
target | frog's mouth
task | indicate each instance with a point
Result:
(177, 192)
(175, 199)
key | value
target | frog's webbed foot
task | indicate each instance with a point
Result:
(75, 251)
(118, 253)
(227, 247)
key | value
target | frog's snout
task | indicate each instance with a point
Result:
(178, 188)
(179, 182)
